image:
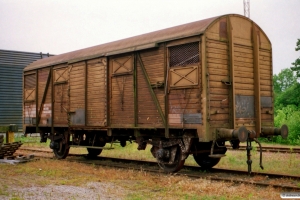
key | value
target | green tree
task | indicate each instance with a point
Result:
(296, 67)
(291, 96)
(289, 115)
(283, 80)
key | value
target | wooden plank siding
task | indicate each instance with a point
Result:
(96, 92)
(61, 95)
(77, 93)
(29, 96)
(266, 86)
(121, 94)
(45, 117)
(153, 61)
(218, 74)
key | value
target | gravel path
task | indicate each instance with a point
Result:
(91, 191)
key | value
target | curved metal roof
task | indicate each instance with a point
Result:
(143, 41)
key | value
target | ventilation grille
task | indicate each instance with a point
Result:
(184, 54)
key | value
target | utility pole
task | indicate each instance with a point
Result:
(247, 8)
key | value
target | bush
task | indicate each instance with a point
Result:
(289, 115)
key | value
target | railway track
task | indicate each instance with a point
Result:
(269, 149)
(283, 181)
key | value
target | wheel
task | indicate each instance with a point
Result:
(95, 141)
(61, 152)
(176, 165)
(202, 151)
(235, 144)
(206, 162)
(93, 153)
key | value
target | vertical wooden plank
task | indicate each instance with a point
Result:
(166, 72)
(52, 101)
(86, 93)
(203, 135)
(96, 93)
(135, 89)
(255, 35)
(231, 69)
(36, 100)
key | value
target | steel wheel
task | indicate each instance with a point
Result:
(62, 152)
(176, 166)
(206, 162)
(92, 153)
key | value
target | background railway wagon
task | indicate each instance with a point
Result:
(202, 80)
(12, 64)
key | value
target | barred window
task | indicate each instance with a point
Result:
(184, 54)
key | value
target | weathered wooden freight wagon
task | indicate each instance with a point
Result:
(184, 90)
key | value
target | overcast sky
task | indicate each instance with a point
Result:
(62, 26)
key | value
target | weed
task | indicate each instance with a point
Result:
(3, 190)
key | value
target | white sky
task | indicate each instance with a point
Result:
(58, 26)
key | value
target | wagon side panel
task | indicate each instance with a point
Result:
(153, 63)
(77, 78)
(218, 76)
(96, 99)
(60, 105)
(121, 93)
(29, 98)
(44, 97)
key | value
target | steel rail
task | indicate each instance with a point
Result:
(269, 149)
(189, 171)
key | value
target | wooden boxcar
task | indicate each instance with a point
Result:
(184, 90)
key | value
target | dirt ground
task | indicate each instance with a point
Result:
(92, 191)
(53, 179)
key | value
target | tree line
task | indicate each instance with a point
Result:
(287, 101)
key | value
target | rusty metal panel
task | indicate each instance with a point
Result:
(244, 107)
(96, 92)
(194, 118)
(77, 117)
